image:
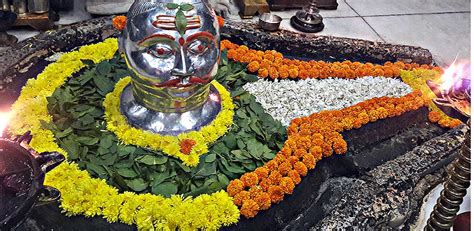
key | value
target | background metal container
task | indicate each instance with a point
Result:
(19, 7)
(5, 5)
(38, 6)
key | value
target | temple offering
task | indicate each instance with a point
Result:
(168, 127)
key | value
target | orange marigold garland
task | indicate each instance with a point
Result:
(272, 64)
(309, 139)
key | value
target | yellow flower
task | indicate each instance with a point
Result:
(82, 194)
(170, 145)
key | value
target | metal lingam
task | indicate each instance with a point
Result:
(308, 19)
(172, 48)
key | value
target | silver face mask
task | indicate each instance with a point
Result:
(172, 48)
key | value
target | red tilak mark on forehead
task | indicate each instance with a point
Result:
(181, 41)
(165, 36)
(200, 34)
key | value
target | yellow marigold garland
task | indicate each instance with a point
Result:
(117, 123)
(416, 79)
(82, 194)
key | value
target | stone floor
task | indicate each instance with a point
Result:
(442, 26)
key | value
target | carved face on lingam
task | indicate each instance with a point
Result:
(172, 48)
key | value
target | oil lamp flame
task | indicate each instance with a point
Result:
(453, 89)
(4, 118)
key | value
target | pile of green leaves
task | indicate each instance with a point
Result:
(79, 127)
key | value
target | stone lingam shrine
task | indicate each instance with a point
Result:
(173, 118)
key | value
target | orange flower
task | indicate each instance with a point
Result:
(234, 187)
(454, 123)
(275, 177)
(293, 73)
(249, 208)
(271, 165)
(186, 146)
(265, 184)
(261, 172)
(221, 21)
(340, 146)
(241, 197)
(317, 152)
(284, 168)
(263, 200)
(253, 66)
(263, 72)
(309, 161)
(274, 73)
(249, 179)
(276, 193)
(119, 22)
(293, 160)
(434, 116)
(287, 185)
(301, 168)
(300, 152)
(295, 176)
(254, 191)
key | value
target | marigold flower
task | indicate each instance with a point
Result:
(274, 73)
(249, 208)
(317, 152)
(295, 176)
(309, 161)
(119, 22)
(327, 149)
(340, 146)
(276, 193)
(364, 117)
(221, 21)
(271, 165)
(275, 177)
(263, 72)
(186, 146)
(265, 184)
(301, 168)
(234, 187)
(300, 152)
(293, 160)
(269, 57)
(293, 73)
(253, 66)
(287, 185)
(232, 54)
(261, 172)
(249, 179)
(454, 123)
(241, 197)
(263, 200)
(254, 191)
(284, 168)
(434, 116)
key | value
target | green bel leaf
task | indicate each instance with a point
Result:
(125, 172)
(181, 22)
(186, 7)
(210, 158)
(104, 68)
(172, 6)
(152, 160)
(137, 185)
(165, 189)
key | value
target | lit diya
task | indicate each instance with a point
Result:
(453, 90)
(22, 172)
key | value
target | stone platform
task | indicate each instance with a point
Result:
(390, 166)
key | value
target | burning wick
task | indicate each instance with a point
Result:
(4, 118)
(453, 89)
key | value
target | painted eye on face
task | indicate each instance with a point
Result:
(160, 51)
(198, 47)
